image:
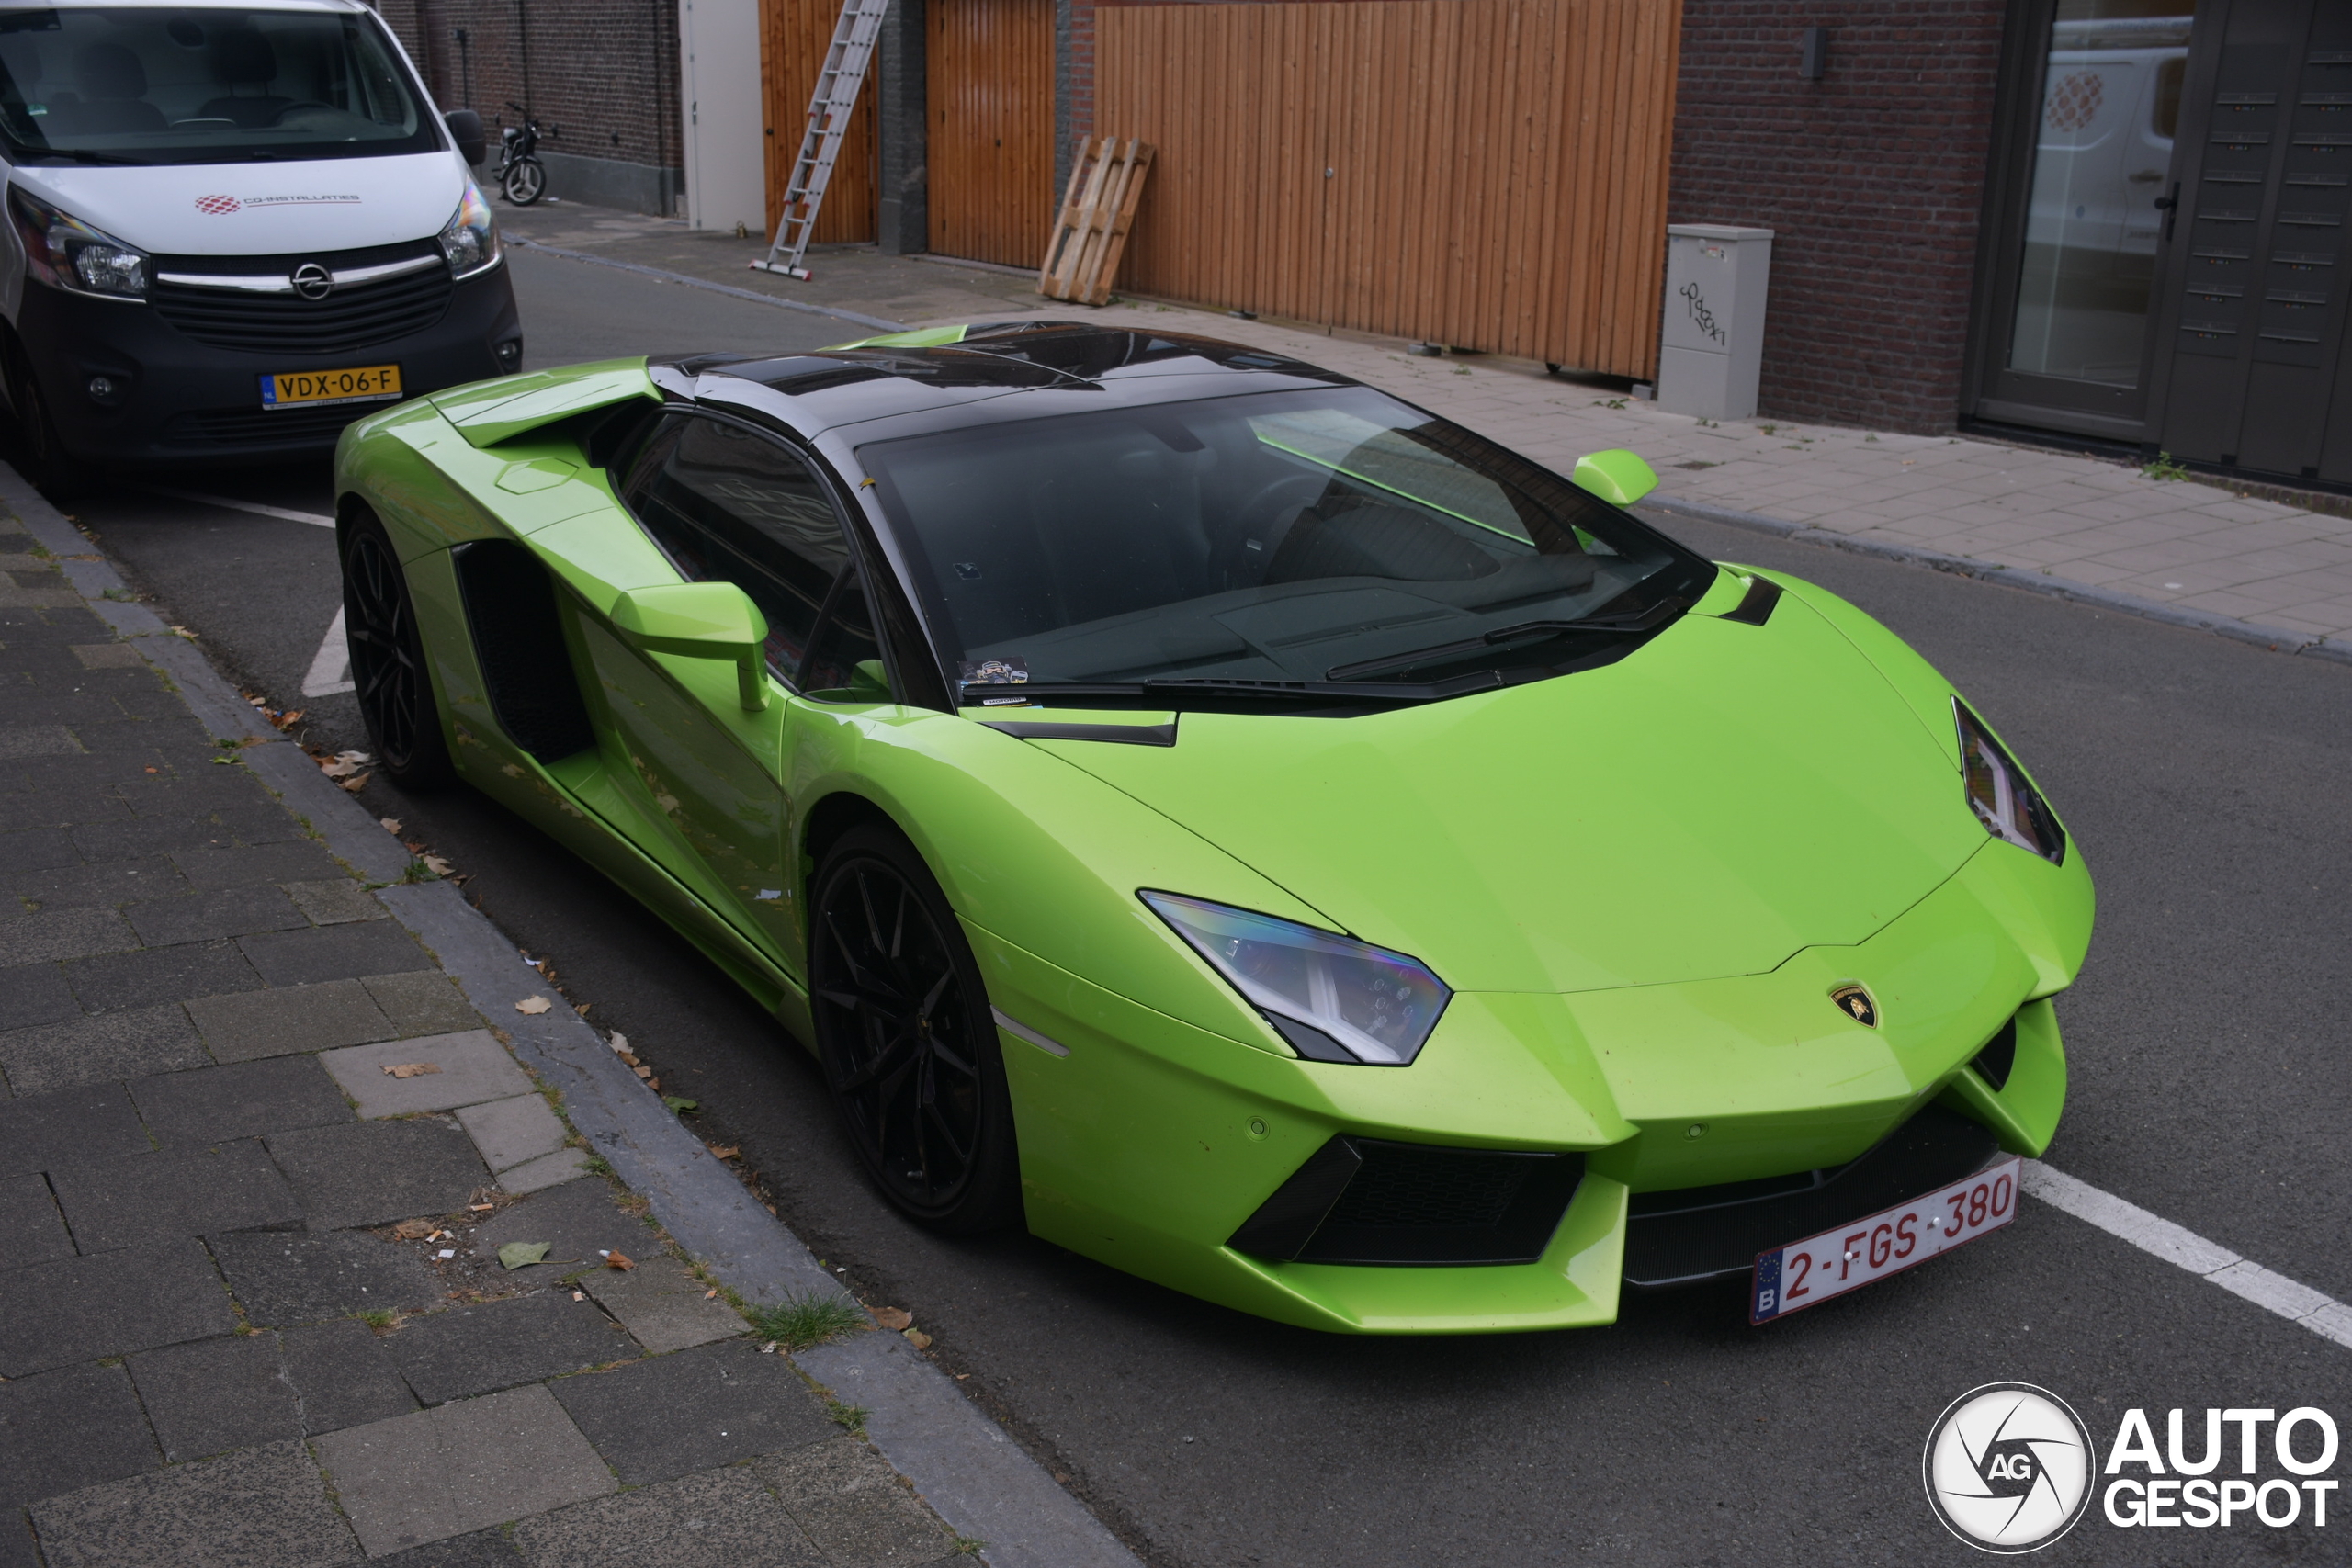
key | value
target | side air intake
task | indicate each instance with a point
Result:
(518, 640)
(1367, 1200)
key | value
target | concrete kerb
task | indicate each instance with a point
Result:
(2276, 639)
(984, 1485)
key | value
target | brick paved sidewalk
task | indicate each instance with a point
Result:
(226, 1336)
(2180, 550)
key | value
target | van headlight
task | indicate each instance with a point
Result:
(66, 253)
(470, 241)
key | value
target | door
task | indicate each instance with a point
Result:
(795, 38)
(2254, 327)
(726, 503)
(2080, 215)
(989, 69)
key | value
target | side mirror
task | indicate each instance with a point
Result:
(1619, 478)
(465, 129)
(700, 620)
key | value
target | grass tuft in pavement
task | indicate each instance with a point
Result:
(803, 1323)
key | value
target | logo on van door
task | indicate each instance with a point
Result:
(217, 204)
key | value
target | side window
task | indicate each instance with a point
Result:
(725, 503)
(846, 665)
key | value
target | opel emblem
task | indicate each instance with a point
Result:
(1858, 1003)
(312, 281)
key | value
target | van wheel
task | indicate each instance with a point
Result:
(388, 670)
(56, 472)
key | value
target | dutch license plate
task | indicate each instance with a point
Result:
(367, 384)
(1797, 1276)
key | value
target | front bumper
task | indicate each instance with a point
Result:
(181, 402)
(1153, 1143)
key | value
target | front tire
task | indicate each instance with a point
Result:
(526, 181)
(54, 471)
(394, 685)
(908, 1041)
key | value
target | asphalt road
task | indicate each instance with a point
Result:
(2209, 785)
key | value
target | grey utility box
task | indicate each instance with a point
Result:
(1710, 350)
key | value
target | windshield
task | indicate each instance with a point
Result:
(137, 85)
(1325, 536)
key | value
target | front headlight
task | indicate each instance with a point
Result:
(2010, 808)
(66, 253)
(1333, 998)
(470, 241)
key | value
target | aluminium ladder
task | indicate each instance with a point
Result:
(829, 110)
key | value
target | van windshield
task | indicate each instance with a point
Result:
(107, 84)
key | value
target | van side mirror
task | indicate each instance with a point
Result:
(700, 620)
(1619, 477)
(465, 129)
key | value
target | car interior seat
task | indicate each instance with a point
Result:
(112, 97)
(243, 61)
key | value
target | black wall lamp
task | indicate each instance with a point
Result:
(1812, 54)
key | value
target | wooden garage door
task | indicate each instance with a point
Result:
(989, 66)
(794, 36)
(1485, 173)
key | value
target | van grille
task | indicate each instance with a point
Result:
(355, 316)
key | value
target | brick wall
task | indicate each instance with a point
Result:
(1872, 179)
(605, 72)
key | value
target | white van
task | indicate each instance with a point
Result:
(232, 229)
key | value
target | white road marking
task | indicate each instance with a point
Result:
(2295, 1301)
(256, 507)
(331, 669)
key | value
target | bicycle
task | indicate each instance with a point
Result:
(520, 174)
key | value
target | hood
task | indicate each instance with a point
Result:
(1709, 805)
(259, 209)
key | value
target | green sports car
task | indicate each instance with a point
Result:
(1243, 827)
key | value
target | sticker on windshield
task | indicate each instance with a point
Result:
(996, 673)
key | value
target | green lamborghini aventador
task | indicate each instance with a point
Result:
(1238, 824)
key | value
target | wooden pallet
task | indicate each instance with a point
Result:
(1105, 184)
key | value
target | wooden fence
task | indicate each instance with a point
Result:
(1488, 173)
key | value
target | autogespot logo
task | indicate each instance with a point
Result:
(2008, 1467)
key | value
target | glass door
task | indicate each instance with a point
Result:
(2084, 209)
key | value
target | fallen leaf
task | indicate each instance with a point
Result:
(438, 866)
(155, 770)
(616, 1260)
(894, 1317)
(680, 1104)
(414, 1230)
(618, 1042)
(918, 1339)
(725, 1151)
(582, 1007)
(653, 1084)
(711, 1295)
(286, 720)
(411, 1069)
(389, 824)
(644, 1072)
(533, 1004)
(523, 1254)
(355, 785)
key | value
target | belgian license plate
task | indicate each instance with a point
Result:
(367, 384)
(1797, 1276)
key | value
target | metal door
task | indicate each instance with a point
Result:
(2251, 332)
(2090, 139)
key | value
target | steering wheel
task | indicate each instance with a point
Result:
(1257, 516)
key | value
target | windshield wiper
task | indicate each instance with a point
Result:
(1656, 615)
(80, 155)
(1010, 694)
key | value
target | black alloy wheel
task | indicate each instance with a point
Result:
(908, 1041)
(394, 689)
